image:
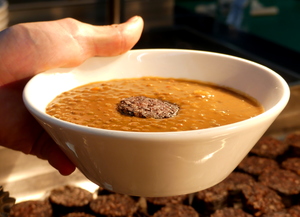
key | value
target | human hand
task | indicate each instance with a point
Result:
(30, 48)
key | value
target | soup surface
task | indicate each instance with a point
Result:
(201, 105)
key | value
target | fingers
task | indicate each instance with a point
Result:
(60, 161)
(45, 148)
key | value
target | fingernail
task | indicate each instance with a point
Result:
(133, 19)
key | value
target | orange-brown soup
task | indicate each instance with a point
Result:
(202, 105)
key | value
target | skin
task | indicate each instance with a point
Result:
(30, 48)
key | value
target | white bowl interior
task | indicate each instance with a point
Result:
(253, 79)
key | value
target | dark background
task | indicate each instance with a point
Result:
(272, 40)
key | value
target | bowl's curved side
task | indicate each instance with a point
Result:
(159, 164)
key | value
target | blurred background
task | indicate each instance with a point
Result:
(265, 31)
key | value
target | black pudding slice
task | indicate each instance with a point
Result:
(145, 107)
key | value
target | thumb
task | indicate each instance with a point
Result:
(40, 46)
(115, 39)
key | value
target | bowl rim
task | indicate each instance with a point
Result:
(118, 133)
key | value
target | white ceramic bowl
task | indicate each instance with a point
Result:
(166, 163)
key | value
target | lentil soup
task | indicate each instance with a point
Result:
(202, 105)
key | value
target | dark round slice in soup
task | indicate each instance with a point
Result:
(145, 107)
